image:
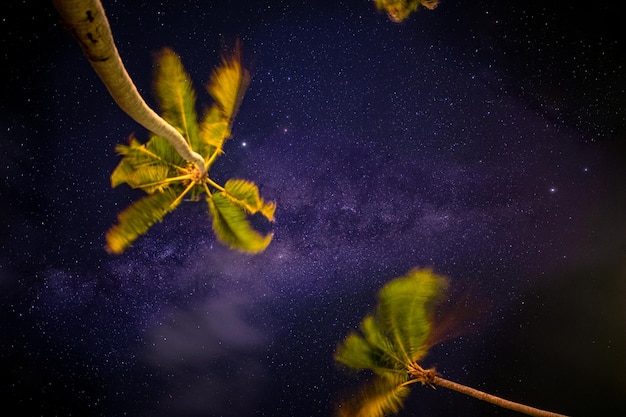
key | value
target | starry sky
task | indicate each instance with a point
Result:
(486, 141)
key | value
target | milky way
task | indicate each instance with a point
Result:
(385, 147)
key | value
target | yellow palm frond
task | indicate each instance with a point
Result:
(228, 84)
(175, 95)
(383, 396)
(147, 166)
(399, 10)
(405, 310)
(231, 225)
(138, 218)
(214, 130)
(227, 87)
(246, 194)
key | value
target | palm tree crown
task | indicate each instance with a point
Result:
(159, 170)
(392, 340)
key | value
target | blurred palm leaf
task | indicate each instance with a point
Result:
(156, 167)
(404, 312)
(381, 396)
(175, 95)
(139, 217)
(232, 227)
(227, 86)
(392, 340)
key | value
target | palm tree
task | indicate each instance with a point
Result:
(174, 162)
(157, 169)
(399, 10)
(391, 343)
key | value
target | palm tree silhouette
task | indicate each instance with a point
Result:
(391, 343)
(174, 163)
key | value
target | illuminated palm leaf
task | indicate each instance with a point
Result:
(404, 311)
(158, 169)
(382, 396)
(232, 227)
(229, 83)
(175, 95)
(227, 86)
(138, 218)
(214, 130)
(246, 194)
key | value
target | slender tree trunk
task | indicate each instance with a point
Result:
(531, 411)
(87, 21)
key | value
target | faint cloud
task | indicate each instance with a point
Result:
(207, 360)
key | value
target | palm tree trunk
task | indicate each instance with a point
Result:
(87, 21)
(531, 411)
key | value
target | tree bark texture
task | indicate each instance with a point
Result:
(531, 411)
(87, 21)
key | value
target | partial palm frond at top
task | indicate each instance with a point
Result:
(400, 10)
(156, 167)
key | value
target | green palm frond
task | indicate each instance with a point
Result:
(138, 218)
(175, 95)
(383, 396)
(355, 352)
(405, 308)
(214, 130)
(371, 350)
(147, 166)
(227, 86)
(231, 225)
(246, 194)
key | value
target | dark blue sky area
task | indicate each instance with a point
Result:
(484, 141)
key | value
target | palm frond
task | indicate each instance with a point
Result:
(227, 86)
(355, 352)
(383, 396)
(149, 178)
(405, 310)
(246, 194)
(138, 218)
(390, 358)
(399, 10)
(175, 95)
(214, 130)
(232, 227)
(135, 156)
(165, 151)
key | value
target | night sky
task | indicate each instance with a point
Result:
(485, 140)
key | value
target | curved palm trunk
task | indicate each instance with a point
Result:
(86, 20)
(531, 411)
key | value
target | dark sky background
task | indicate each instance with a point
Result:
(485, 140)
